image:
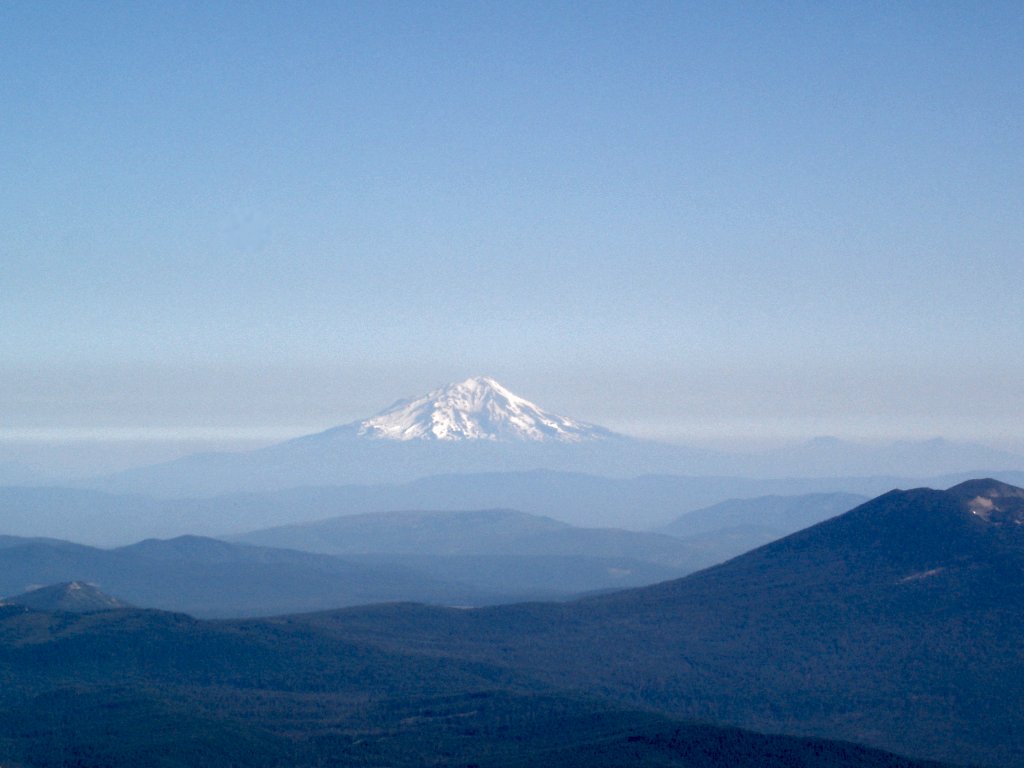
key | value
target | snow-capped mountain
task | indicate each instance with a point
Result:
(478, 408)
(477, 426)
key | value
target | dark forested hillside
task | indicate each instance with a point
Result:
(896, 625)
(130, 687)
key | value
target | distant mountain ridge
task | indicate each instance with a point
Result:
(779, 514)
(214, 578)
(478, 532)
(640, 503)
(478, 426)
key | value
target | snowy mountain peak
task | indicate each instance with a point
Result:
(478, 408)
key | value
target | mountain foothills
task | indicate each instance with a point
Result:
(640, 503)
(471, 558)
(896, 625)
(493, 532)
(448, 558)
(478, 425)
(211, 578)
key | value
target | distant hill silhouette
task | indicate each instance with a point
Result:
(341, 457)
(476, 532)
(733, 527)
(637, 503)
(69, 597)
(213, 578)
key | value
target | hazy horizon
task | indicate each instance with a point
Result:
(719, 225)
(723, 459)
(82, 452)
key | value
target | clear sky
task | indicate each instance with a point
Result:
(690, 220)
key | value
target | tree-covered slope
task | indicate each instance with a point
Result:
(135, 687)
(897, 624)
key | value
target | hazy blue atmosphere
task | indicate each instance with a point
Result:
(475, 383)
(226, 225)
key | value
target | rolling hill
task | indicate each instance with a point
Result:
(479, 532)
(895, 624)
(207, 577)
(131, 687)
(213, 578)
(69, 597)
(735, 526)
(638, 503)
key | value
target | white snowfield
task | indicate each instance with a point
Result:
(475, 409)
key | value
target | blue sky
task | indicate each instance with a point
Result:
(691, 220)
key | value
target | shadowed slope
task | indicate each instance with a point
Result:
(896, 624)
(148, 688)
